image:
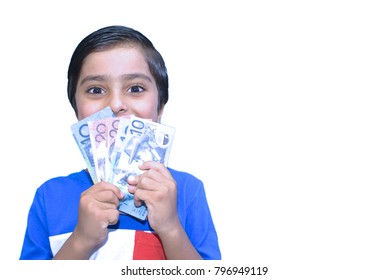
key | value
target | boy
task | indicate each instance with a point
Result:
(73, 218)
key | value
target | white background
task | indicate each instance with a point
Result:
(280, 107)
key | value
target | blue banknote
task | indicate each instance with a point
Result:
(81, 134)
(140, 140)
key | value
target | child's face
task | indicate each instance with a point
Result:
(119, 78)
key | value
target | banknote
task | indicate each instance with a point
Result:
(121, 134)
(80, 132)
(98, 133)
(112, 130)
(138, 140)
(122, 165)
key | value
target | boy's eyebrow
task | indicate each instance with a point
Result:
(98, 78)
(136, 75)
(101, 78)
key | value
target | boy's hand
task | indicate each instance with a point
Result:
(97, 210)
(157, 188)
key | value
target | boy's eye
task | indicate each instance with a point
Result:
(95, 90)
(135, 89)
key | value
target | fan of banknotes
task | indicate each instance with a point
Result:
(114, 147)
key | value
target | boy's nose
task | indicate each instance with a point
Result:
(118, 104)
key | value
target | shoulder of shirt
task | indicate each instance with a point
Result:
(72, 177)
(177, 174)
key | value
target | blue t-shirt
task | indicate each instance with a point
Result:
(54, 211)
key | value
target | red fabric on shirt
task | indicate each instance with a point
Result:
(148, 246)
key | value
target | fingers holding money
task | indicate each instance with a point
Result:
(157, 189)
(97, 210)
(105, 193)
(132, 188)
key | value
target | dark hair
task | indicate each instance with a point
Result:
(112, 36)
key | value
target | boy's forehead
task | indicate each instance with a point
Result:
(120, 58)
